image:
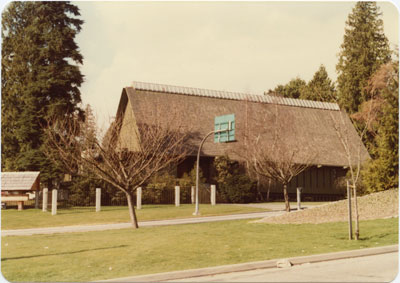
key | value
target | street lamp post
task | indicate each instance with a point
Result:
(196, 211)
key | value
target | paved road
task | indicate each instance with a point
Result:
(376, 268)
(101, 227)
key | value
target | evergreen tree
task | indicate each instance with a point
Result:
(40, 78)
(83, 183)
(364, 48)
(293, 89)
(382, 173)
(320, 88)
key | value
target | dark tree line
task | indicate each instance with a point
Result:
(319, 88)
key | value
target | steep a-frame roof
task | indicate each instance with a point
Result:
(309, 125)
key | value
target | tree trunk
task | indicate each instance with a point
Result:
(259, 194)
(357, 232)
(132, 212)
(286, 196)
(269, 189)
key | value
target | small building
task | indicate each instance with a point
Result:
(302, 122)
(19, 187)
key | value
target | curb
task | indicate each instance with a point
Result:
(174, 275)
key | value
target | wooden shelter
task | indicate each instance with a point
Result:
(310, 124)
(16, 186)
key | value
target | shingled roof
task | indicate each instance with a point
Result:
(303, 122)
(19, 181)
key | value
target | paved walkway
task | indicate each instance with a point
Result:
(101, 227)
(261, 269)
(277, 206)
(374, 268)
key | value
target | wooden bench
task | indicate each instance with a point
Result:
(15, 198)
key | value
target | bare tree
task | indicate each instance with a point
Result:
(157, 145)
(353, 154)
(277, 159)
(368, 122)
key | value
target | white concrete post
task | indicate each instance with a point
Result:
(54, 202)
(192, 195)
(213, 195)
(177, 195)
(98, 199)
(299, 198)
(139, 198)
(45, 199)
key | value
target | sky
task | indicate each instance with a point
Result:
(248, 47)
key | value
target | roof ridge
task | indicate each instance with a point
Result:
(234, 95)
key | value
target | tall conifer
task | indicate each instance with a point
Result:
(40, 78)
(320, 88)
(364, 48)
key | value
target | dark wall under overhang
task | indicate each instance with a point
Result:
(324, 180)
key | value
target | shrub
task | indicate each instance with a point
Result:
(233, 186)
(81, 191)
(157, 190)
(158, 184)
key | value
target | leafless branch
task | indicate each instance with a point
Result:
(277, 158)
(160, 143)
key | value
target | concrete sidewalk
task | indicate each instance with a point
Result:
(112, 226)
(193, 273)
(277, 206)
(373, 268)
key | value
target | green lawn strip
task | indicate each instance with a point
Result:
(119, 253)
(293, 204)
(35, 218)
(305, 203)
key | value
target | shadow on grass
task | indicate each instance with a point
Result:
(366, 238)
(380, 236)
(64, 253)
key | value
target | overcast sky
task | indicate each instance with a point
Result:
(238, 46)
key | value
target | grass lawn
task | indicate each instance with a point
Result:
(118, 253)
(34, 218)
(305, 203)
(293, 204)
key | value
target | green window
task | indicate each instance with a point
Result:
(222, 123)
